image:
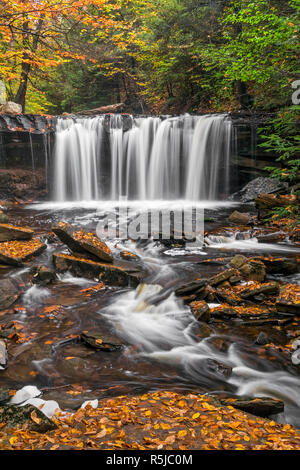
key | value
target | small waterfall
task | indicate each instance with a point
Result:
(184, 157)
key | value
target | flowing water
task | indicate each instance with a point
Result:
(185, 157)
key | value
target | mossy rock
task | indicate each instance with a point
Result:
(17, 416)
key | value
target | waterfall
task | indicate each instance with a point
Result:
(184, 157)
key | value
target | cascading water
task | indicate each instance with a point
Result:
(185, 157)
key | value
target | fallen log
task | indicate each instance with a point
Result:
(112, 108)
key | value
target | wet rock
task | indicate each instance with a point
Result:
(267, 289)
(271, 237)
(235, 280)
(8, 293)
(258, 186)
(238, 261)
(18, 416)
(253, 271)
(200, 310)
(42, 275)
(80, 241)
(221, 277)
(218, 368)
(219, 343)
(100, 341)
(204, 331)
(223, 312)
(15, 252)
(262, 339)
(129, 256)
(10, 232)
(3, 354)
(262, 406)
(194, 287)
(239, 218)
(10, 108)
(282, 265)
(111, 275)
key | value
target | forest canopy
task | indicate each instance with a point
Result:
(154, 55)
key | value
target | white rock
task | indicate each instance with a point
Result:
(30, 391)
(93, 404)
(48, 407)
(10, 108)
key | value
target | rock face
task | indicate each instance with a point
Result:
(108, 273)
(10, 232)
(15, 416)
(239, 218)
(10, 108)
(81, 242)
(258, 186)
(8, 293)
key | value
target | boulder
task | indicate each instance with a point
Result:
(8, 293)
(239, 218)
(262, 339)
(17, 416)
(11, 232)
(84, 267)
(80, 241)
(10, 108)
(258, 186)
(3, 354)
(200, 310)
(15, 252)
(253, 271)
(42, 275)
(100, 341)
(238, 260)
(262, 406)
(221, 277)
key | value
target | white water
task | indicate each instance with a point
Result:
(184, 157)
(164, 333)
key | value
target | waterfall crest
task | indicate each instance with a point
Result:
(184, 157)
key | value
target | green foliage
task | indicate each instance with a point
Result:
(281, 137)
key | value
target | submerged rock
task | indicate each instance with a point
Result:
(17, 416)
(81, 242)
(8, 293)
(92, 269)
(42, 275)
(258, 186)
(262, 339)
(11, 232)
(103, 342)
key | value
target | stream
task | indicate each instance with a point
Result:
(163, 348)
